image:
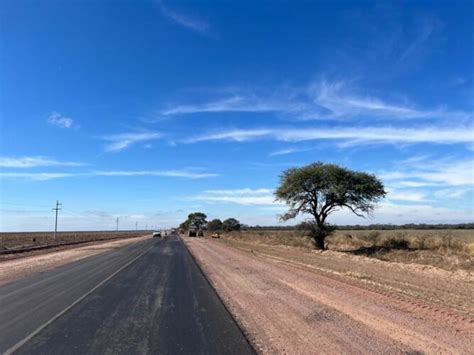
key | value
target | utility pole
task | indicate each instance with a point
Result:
(56, 209)
(116, 222)
(146, 228)
(136, 226)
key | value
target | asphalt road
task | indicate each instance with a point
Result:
(148, 297)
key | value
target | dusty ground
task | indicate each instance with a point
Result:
(449, 249)
(20, 267)
(11, 240)
(290, 300)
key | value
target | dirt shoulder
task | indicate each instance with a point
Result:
(290, 300)
(12, 269)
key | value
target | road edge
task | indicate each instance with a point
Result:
(248, 337)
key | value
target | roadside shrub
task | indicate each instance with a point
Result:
(372, 238)
(398, 241)
(448, 243)
(395, 243)
(420, 243)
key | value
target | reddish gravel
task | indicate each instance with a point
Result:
(286, 307)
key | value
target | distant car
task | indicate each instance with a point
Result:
(157, 234)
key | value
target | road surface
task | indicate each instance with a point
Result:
(148, 297)
(287, 305)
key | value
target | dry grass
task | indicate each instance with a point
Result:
(444, 248)
(272, 237)
(443, 240)
(12, 240)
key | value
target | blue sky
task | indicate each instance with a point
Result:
(150, 110)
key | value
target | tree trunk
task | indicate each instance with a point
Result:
(319, 241)
(320, 235)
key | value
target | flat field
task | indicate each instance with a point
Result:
(26, 239)
(449, 249)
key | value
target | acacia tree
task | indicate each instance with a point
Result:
(231, 224)
(196, 219)
(321, 189)
(214, 225)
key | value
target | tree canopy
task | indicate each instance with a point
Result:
(231, 224)
(321, 189)
(214, 225)
(196, 219)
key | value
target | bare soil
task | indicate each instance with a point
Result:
(293, 300)
(10, 240)
(12, 269)
(448, 249)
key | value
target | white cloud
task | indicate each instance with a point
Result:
(335, 100)
(31, 162)
(122, 141)
(244, 196)
(342, 101)
(435, 173)
(428, 26)
(389, 212)
(35, 176)
(406, 195)
(43, 176)
(287, 151)
(452, 193)
(61, 121)
(190, 22)
(352, 135)
(166, 173)
(234, 103)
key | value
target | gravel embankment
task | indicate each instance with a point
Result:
(287, 306)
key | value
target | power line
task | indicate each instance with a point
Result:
(56, 209)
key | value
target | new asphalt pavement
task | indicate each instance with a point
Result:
(148, 297)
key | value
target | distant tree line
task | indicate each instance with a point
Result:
(374, 226)
(199, 220)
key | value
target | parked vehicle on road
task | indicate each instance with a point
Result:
(157, 234)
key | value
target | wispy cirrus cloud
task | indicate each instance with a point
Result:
(122, 141)
(348, 135)
(245, 196)
(56, 119)
(44, 176)
(234, 103)
(189, 174)
(287, 151)
(32, 162)
(340, 100)
(406, 195)
(427, 27)
(37, 176)
(320, 100)
(191, 22)
(434, 172)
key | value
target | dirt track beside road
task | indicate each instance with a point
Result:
(16, 268)
(287, 307)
